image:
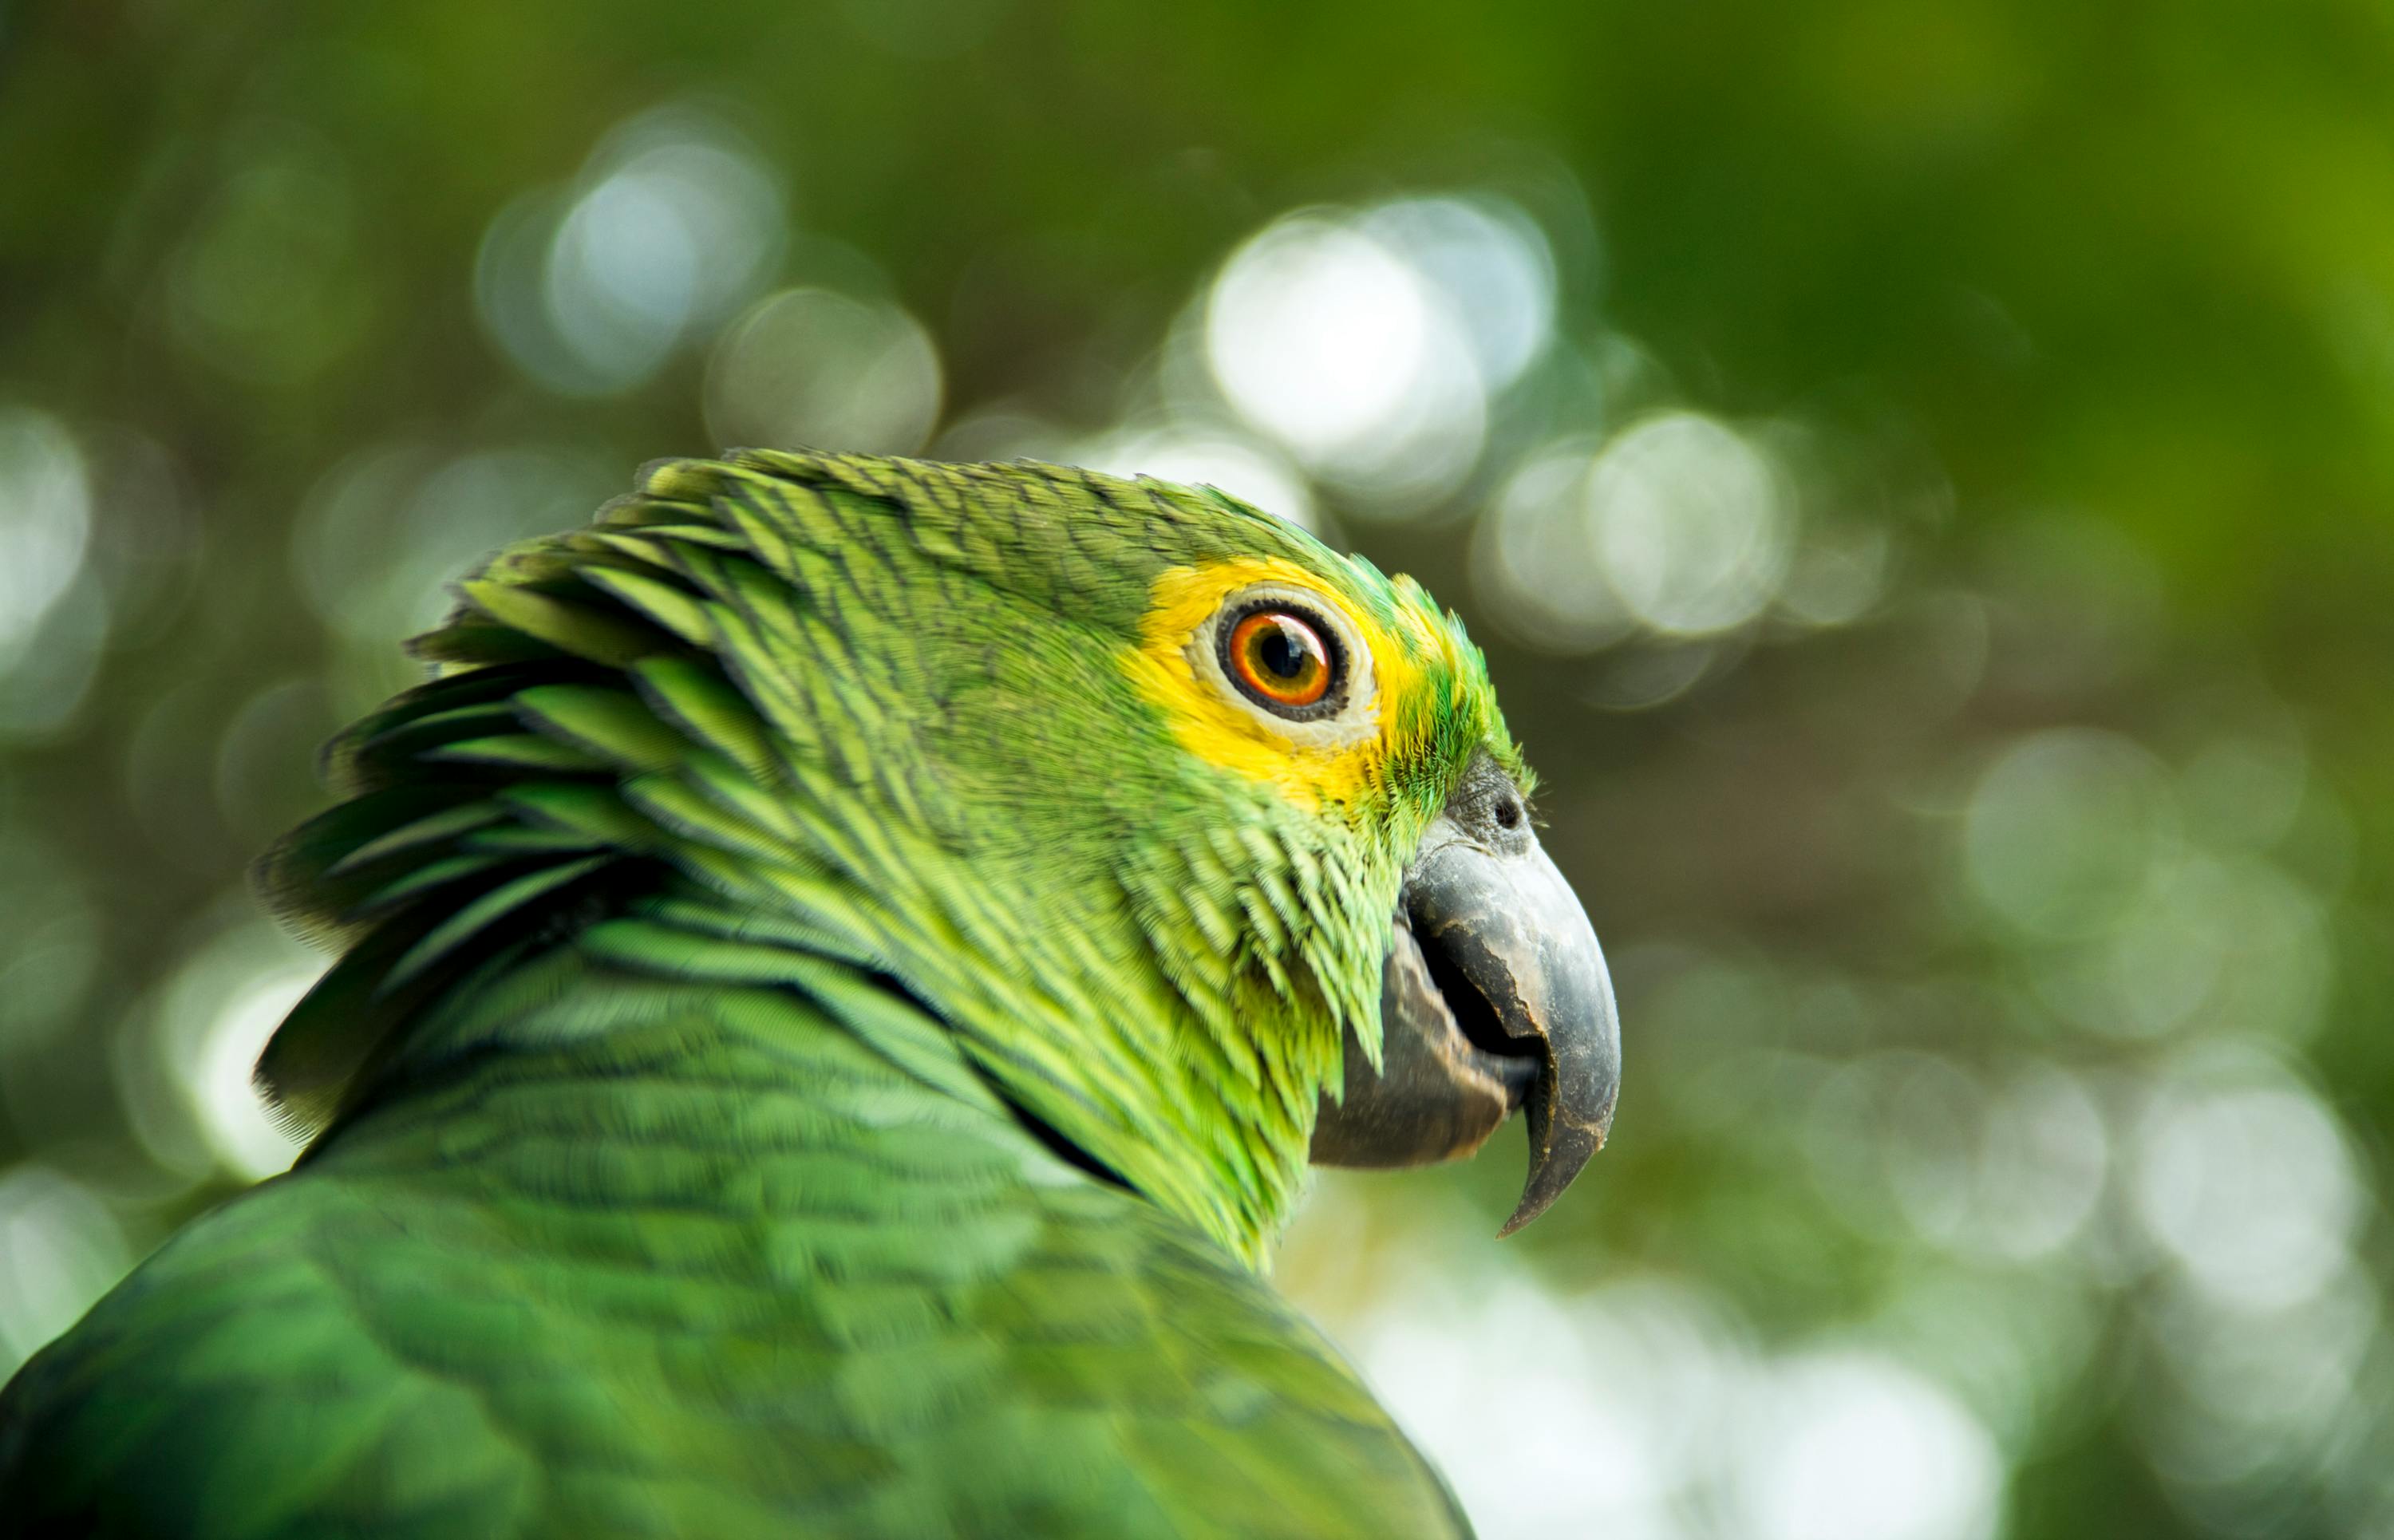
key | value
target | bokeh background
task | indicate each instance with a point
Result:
(1922, 474)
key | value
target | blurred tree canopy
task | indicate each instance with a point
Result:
(1923, 475)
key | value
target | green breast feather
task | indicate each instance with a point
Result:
(842, 970)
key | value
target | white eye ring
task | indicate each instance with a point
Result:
(1348, 711)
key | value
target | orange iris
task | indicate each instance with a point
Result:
(1281, 658)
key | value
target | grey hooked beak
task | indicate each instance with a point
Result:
(1494, 997)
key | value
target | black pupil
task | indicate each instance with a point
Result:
(1281, 650)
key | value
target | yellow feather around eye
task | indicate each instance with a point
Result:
(1311, 768)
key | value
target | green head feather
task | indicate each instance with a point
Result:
(965, 727)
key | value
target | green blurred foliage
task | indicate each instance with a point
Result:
(1953, 625)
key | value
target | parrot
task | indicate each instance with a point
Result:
(842, 969)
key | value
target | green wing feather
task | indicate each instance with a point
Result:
(734, 1243)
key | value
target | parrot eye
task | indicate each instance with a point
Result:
(1279, 652)
(1278, 659)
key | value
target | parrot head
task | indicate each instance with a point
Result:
(1208, 843)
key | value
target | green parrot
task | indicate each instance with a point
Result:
(842, 971)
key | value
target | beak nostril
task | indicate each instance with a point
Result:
(1508, 814)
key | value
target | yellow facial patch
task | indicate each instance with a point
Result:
(1313, 764)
